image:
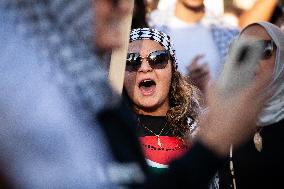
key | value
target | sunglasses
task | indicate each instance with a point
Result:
(267, 46)
(157, 60)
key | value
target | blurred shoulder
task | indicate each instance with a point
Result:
(219, 22)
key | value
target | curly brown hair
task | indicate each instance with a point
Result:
(184, 103)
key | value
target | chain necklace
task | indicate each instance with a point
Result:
(232, 167)
(257, 140)
(158, 136)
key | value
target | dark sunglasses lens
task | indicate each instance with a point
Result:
(159, 59)
(267, 50)
(133, 62)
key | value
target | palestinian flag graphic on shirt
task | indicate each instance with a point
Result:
(158, 157)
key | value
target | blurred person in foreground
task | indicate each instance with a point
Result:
(51, 89)
(257, 163)
(53, 86)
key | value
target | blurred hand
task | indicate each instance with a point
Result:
(232, 120)
(198, 74)
(108, 17)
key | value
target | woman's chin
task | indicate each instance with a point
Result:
(151, 109)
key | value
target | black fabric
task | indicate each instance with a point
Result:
(255, 169)
(277, 13)
(194, 170)
(154, 123)
(119, 126)
(139, 15)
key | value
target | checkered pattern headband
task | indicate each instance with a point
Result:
(155, 35)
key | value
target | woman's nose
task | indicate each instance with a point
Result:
(145, 66)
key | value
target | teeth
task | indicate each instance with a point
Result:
(146, 80)
(147, 83)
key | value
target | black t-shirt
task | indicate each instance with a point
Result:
(156, 124)
(159, 144)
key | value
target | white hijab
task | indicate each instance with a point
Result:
(274, 109)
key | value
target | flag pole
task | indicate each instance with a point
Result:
(118, 56)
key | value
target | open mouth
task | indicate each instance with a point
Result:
(147, 86)
(146, 83)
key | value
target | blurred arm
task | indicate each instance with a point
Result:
(261, 11)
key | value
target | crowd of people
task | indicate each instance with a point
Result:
(178, 124)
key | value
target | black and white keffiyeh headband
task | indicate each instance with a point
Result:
(155, 35)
